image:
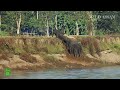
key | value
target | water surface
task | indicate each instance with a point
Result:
(111, 72)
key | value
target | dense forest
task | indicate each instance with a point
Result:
(69, 22)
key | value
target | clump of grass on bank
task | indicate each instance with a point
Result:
(90, 45)
(51, 46)
(18, 51)
(94, 45)
(109, 43)
(115, 47)
(55, 49)
(6, 45)
(48, 58)
(18, 45)
(28, 58)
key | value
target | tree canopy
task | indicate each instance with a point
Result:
(72, 22)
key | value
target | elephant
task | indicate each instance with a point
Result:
(73, 47)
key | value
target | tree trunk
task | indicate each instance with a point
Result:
(37, 15)
(18, 24)
(90, 28)
(67, 31)
(56, 22)
(90, 25)
(0, 22)
(47, 29)
(77, 29)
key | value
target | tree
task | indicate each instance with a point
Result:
(37, 14)
(18, 21)
(71, 22)
(90, 25)
(109, 22)
(47, 16)
(47, 26)
(77, 28)
(56, 22)
(0, 22)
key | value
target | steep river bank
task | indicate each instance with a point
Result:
(41, 53)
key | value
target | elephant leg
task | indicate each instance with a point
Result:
(74, 52)
(79, 53)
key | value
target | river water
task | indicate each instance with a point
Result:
(111, 72)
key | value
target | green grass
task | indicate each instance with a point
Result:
(48, 58)
(55, 49)
(18, 51)
(115, 47)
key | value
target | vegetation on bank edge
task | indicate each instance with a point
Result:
(52, 45)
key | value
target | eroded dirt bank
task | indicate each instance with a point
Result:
(23, 53)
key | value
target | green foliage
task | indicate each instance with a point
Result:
(110, 24)
(33, 22)
(55, 49)
(18, 50)
(99, 32)
(4, 33)
(115, 47)
(65, 20)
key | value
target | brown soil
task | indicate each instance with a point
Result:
(107, 56)
(59, 61)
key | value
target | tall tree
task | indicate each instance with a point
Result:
(77, 28)
(48, 17)
(56, 22)
(47, 25)
(76, 22)
(37, 15)
(90, 25)
(18, 21)
(0, 22)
